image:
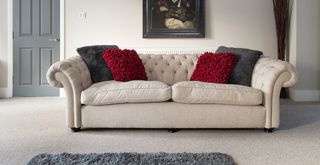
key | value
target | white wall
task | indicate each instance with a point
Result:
(305, 50)
(3, 43)
(5, 51)
(245, 23)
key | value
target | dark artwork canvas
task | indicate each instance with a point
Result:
(173, 14)
(173, 18)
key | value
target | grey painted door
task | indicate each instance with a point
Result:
(35, 45)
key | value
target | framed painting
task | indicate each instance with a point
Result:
(173, 19)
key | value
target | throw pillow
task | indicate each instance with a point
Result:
(125, 65)
(242, 72)
(214, 68)
(92, 56)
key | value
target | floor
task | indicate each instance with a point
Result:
(29, 126)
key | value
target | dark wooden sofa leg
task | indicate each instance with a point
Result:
(268, 130)
(173, 130)
(76, 129)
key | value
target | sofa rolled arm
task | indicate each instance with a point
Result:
(73, 75)
(269, 76)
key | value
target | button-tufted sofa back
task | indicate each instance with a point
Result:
(169, 68)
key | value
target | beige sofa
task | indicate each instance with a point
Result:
(169, 100)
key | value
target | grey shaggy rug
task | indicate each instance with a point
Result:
(133, 158)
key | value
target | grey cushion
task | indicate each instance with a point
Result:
(242, 72)
(92, 56)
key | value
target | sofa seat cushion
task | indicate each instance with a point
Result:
(206, 93)
(115, 92)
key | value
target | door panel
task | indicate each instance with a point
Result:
(35, 46)
(46, 59)
(25, 66)
(25, 17)
(46, 17)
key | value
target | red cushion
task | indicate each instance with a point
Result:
(214, 68)
(125, 65)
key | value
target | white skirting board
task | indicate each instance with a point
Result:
(5, 93)
(62, 94)
(304, 95)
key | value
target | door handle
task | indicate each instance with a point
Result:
(54, 39)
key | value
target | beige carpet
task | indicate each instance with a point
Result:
(29, 126)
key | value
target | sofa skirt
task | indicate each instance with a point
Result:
(172, 115)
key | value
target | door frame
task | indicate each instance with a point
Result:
(10, 42)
